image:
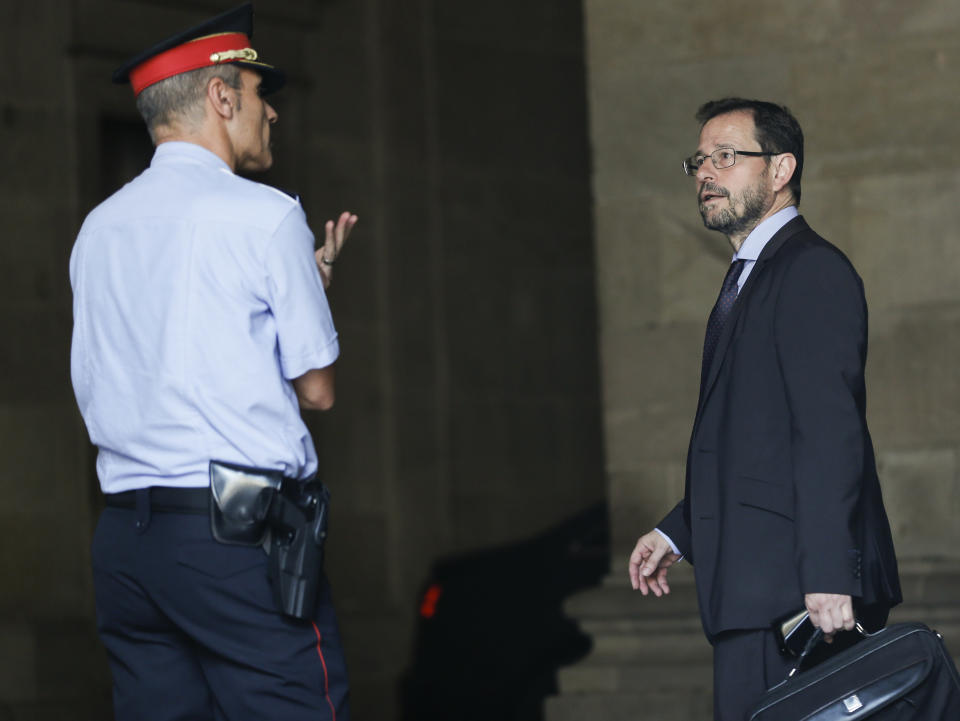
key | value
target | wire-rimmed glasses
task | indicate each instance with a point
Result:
(721, 158)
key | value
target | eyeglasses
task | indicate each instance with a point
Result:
(721, 158)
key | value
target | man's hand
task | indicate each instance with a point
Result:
(649, 563)
(830, 612)
(336, 236)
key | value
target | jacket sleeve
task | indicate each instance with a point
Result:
(676, 525)
(821, 335)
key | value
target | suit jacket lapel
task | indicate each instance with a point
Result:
(793, 227)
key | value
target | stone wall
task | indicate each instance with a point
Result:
(468, 394)
(873, 86)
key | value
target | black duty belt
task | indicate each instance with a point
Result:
(165, 499)
(258, 507)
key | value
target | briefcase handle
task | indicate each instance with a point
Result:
(815, 640)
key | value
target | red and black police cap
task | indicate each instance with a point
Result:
(223, 39)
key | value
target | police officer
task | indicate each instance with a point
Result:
(201, 327)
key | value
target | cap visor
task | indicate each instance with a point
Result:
(273, 78)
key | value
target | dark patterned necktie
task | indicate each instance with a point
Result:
(718, 316)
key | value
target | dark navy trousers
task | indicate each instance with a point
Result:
(193, 632)
(745, 665)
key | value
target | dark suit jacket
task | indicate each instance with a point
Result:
(782, 497)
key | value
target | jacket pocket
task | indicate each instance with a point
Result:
(765, 495)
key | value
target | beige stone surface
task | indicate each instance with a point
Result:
(880, 106)
(913, 380)
(826, 207)
(628, 268)
(694, 262)
(651, 388)
(905, 240)
(639, 499)
(668, 33)
(923, 500)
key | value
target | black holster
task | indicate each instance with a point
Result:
(298, 524)
(285, 516)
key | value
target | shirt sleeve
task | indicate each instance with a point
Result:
(673, 546)
(306, 337)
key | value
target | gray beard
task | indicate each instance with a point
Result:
(728, 222)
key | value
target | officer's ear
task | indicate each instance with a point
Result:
(222, 97)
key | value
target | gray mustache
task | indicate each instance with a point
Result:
(713, 189)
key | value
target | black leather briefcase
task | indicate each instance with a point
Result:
(901, 673)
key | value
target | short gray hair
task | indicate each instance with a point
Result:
(180, 97)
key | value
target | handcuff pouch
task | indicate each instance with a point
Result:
(240, 502)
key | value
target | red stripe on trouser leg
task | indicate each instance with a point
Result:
(326, 679)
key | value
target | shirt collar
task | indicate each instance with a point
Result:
(759, 236)
(179, 150)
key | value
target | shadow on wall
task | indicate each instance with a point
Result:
(492, 633)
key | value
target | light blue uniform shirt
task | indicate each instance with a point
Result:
(196, 301)
(750, 251)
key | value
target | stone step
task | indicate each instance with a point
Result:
(618, 625)
(648, 705)
(693, 676)
(932, 581)
(615, 599)
(648, 646)
(928, 613)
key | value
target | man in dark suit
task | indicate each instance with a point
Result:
(782, 507)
